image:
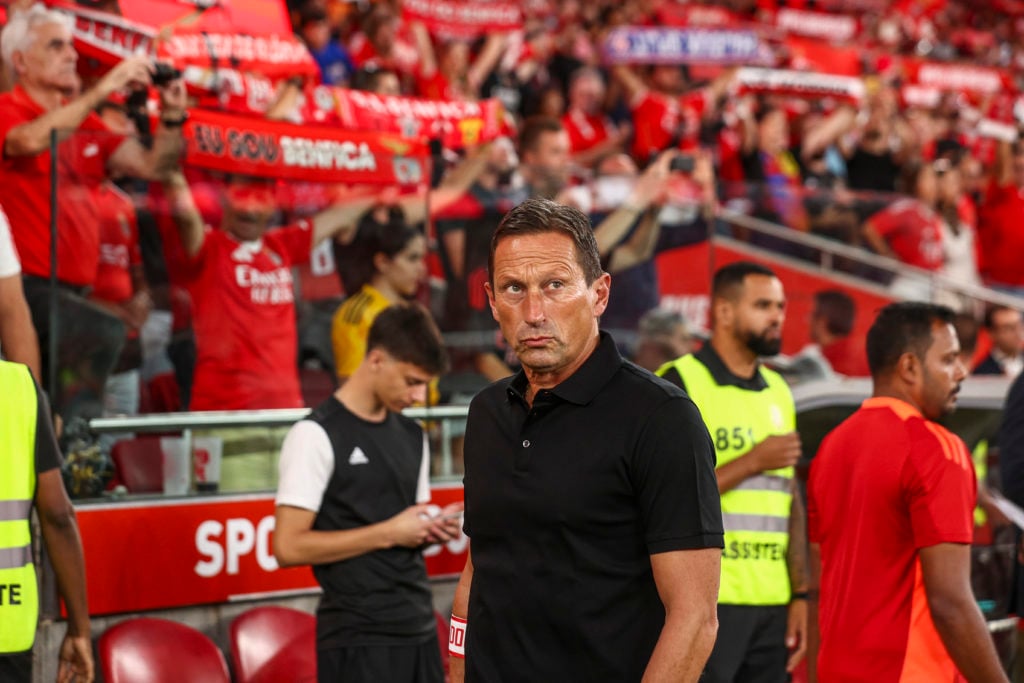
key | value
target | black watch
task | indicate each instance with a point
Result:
(174, 123)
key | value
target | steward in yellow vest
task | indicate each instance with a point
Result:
(30, 475)
(749, 412)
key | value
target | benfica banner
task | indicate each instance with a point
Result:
(107, 39)
(457, 124)
(270, 149)
(835, 28)
(800, 84)
(638, 45)
(464, 18)
(957, 77)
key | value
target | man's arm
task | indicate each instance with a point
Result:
(297, 543)
(687, 582)
(813, 630)
(460, 608)
(33, 137)
(184, 212)
(796, 560)
(132, 159)
(18, 339)
(946, 570)
(777, 451)
(60, 533)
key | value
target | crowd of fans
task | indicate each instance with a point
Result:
(653, 152)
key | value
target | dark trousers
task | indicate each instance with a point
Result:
(751, 645)
(89, 341)
(16, 668)
(416, 663)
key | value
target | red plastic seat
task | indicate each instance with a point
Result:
(147, 650)
(273, 643)
(139, 464)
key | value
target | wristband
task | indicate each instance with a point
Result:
(799, 595)
(457, 638)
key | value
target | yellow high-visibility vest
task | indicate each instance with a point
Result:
(19, 597)
(756, 512)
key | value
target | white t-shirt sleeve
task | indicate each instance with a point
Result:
(306, 466)
(9, 263)
(423, 485)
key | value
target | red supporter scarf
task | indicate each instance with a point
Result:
(464, 18)
(456, 123)
(799, 84)
(271, 149)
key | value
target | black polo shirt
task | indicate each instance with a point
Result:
(565, 503)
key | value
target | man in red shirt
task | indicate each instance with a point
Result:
(242, 292)
(592, 134)
(890, 517)
(37, 47)
(1001, 221)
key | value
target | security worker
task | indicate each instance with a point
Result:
(749, 412)
(30, 474)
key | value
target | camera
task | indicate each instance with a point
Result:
(682, 163)
(164, 74)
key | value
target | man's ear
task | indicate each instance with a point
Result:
(490, 300)
(721, 312)
(602, 287)
(908, 368)
(375, 359)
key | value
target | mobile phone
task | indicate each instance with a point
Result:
(682, 163)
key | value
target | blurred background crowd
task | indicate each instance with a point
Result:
(873, 143)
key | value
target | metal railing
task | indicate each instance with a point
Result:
(186, 423)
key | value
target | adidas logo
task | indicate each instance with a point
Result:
(358, 457)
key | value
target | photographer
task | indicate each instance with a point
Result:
(37, 48)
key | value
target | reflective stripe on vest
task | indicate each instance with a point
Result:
(19, 599)
(756, 512)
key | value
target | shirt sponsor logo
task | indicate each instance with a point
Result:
(272, 287)
(91, 150)
(358, 457)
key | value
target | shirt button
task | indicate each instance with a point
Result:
(526, 443)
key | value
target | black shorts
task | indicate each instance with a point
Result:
(16, 668)
(417, 663)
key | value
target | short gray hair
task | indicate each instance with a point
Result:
(659, 323)
(17, 35)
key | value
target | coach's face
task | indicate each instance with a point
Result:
(541, 300)
(941, 373)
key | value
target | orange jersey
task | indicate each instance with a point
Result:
(885, 483)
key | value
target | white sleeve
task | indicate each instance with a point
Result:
(9, 263)
(423, 485)
(306, 466)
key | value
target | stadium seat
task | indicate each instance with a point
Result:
(272, 643)
(138, 464)
(147, 650)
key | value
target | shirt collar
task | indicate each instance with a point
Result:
(583, 385)
(723, 376)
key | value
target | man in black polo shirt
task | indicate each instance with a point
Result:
(590, 490)
(352, 502)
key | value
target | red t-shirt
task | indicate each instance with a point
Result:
(884, 484)
(244, 320)
(847, 356)
(25, 193)
(1000, 235)
(657, 118)
(913, 231)
(119, 245)
(586, 130)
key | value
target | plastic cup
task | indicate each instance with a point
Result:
(176, 465)
(206, 455)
